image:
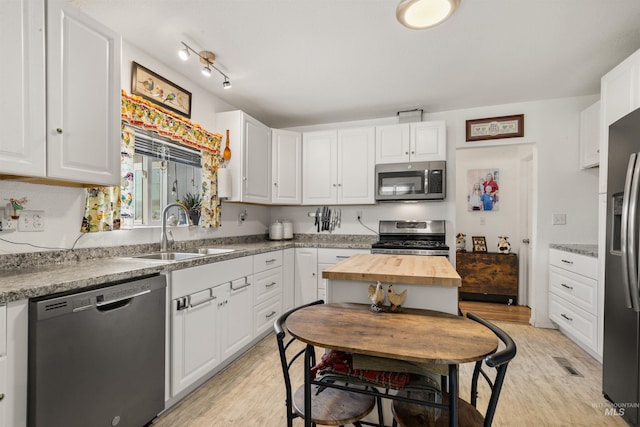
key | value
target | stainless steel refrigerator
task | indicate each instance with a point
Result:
(621, 361)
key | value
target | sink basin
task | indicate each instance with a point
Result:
(170, 256)
(214, 251)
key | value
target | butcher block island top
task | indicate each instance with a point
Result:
(408, 269)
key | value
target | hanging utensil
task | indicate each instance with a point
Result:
(227, 151)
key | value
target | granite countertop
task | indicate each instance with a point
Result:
(577, 248)
(395, 269)
(29, 275)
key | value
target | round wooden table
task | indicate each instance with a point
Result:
(422, 336)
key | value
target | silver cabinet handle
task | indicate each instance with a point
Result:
(211, 298)
(270, 261)
(567, 261)
(313, 274)
(270, 315)
(566, 317)
(275, 184)
(342, 256)
(566, 286)
(59, 130)
(246, 284)
(270, 284)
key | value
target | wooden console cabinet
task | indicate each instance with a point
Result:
(488, 276)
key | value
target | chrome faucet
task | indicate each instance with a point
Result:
(164, 241)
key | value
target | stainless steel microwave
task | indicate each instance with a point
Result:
(411, 181)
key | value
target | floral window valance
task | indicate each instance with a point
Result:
(141, 113)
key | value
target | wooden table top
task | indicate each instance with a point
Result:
(408, 269)
(421, 336)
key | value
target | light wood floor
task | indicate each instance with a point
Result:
(537, 390)
(498, 312)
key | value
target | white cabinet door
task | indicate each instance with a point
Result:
(356, 166)
(319, 167)
(288, 279)
(196, 348)
(237, 327)
(22, 85)
(590, 136)
(392, 143)
(306, 281)
(428, 141)
(83, 97)
(286, 167)
(257, 166)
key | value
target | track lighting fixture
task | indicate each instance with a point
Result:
(208, 59)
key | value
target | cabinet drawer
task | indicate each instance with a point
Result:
(333, 256)
(267, 284)
(576, 263)
(266, 313)
(267, 260)
(579, 290)
(195, 279)
(576, 322)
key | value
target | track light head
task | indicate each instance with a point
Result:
(206, 71)
(226, 84)
(184, 54)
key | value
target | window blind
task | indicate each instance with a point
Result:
(152, 145)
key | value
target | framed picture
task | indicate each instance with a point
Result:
(160, 91)
(495, 128)
(483, 189)
(479, 244)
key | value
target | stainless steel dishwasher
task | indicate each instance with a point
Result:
(96, 358)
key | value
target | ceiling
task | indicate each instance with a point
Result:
(305, 62)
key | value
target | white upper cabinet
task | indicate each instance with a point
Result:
(619, 95)
(590, 136)
(250, 163)
(83, 97)
(338, 167)
(76, 137)
(411, 142)
(22, 84)
(286, 167)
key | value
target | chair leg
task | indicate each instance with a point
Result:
(380, 414)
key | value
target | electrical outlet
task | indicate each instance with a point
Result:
(31, 221)
(559, 219)
(9, 225)
(359, 215)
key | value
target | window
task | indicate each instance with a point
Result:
(163, 173)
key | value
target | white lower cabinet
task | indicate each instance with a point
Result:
(268, 282)
(201, 301)
(237, 330)
(329, 257)
(306, 279)
(573, 297)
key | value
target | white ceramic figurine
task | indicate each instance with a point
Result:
(504, 247)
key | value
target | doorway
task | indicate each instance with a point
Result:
(512, 215)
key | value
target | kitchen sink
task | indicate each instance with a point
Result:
(214, 251)
(170, 256)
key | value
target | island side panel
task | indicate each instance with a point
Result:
(431, 297)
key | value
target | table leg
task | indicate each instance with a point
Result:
(453, 395)
(307, 384)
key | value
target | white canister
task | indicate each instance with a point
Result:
(276, 231)
(287, 229)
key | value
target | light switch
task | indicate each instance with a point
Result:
(559, 219)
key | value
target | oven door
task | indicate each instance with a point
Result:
(410, 181)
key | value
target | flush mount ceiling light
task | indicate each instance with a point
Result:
(421, 14)
(207, 58)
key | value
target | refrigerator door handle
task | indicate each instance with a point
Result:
(627, 273)
(633, 234)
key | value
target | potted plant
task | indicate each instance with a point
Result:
(192, 202)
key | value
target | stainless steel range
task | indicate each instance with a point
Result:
(406, 237)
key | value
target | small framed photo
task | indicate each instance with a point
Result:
(479, 244)
(495, 128)
(160, 91)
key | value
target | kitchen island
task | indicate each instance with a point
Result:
(431, 281)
